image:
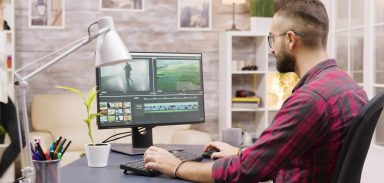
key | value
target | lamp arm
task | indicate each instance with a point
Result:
(53, 53)
(82, 42)
(27, 170)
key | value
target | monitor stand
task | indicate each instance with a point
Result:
(140, 142)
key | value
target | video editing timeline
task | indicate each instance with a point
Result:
(152, 89)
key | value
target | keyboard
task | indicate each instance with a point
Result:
(137, 166)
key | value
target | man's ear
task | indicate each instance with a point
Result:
(292, 38)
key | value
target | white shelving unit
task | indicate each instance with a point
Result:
(8, 53)
(9, 37)
(237, 49)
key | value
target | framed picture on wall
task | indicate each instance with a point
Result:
(194, 15)
(46, 14)
(122, 5)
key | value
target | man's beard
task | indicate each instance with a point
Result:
(285, 62)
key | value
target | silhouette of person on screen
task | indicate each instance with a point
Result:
(128, 70)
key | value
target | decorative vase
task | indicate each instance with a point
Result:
(261, 24)
(97, 156)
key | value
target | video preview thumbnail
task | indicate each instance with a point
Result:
(175, 75)
(115, 112)
(131, 76)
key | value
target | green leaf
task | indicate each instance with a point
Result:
(92, 95)
(72, 90)
(2, 130)
(93, 116)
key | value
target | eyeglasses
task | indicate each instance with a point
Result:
(271, 37)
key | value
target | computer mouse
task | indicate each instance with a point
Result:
(208, 153)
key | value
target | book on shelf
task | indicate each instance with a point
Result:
(246, 102)
(245, 105)
(246, 99)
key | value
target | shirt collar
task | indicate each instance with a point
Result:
(314, 71)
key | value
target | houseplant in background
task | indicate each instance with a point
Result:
(2, 134)
(261, 12)
(97, 154)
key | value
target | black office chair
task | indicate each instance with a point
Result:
(355, 148)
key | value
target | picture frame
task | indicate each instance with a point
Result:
(122, 5)
(194, 15)
(46, 14)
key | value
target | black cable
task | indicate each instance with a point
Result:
(115, 135)
(141, 129)
(117, 138)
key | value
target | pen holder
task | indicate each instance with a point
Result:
(47, 171)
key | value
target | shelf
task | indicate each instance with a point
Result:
(273, 109)
(6, 31)
(248, 72)
(247, 110)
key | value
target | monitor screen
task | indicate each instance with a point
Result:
(150, 90)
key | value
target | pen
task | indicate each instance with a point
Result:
(36, 155)
(66, 147)
(61, 145)
(57, 148)
(40, 151)
(57, 143)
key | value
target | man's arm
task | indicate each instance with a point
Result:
(195, 171)
(165, 162)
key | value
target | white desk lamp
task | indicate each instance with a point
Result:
(233, 2)
(110, 49)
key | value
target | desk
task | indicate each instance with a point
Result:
(79, 171)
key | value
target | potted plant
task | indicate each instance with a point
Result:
(261, 12)
(97, 154)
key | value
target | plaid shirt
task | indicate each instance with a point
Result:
(305, 137)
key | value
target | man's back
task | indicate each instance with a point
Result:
(342, 99)
(305, 137)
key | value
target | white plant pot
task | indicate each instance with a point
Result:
(97, 156)
(260, 24)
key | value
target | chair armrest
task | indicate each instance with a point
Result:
(190, 137)
(46, 138)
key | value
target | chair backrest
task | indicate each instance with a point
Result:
(355, 148)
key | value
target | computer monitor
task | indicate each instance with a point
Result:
(150, 90)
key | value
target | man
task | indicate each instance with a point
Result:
(305, 137)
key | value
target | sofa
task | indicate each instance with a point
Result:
(62, 115)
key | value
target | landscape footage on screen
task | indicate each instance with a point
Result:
(131, 76)
(173, 75)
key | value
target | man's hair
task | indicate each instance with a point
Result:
(310, 17)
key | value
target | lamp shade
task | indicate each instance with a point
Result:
(233, 1)
(110, 49)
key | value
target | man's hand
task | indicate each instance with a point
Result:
(161, 160)
(225, 149)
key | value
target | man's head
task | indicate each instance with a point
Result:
(297, 24)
